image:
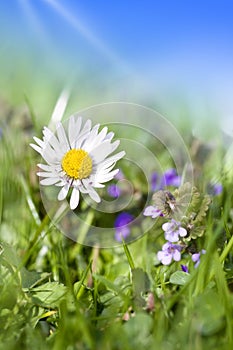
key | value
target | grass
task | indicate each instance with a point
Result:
(59, 294)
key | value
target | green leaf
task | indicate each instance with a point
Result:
(30, 279)
(209, 313)
(49, 294)
(179, 277)
(108, 284)
(141, 285)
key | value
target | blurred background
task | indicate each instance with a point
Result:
(173, 56)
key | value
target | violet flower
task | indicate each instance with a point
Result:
(173, 230)
(114, 191)
(171, 178)
(121, 224)
(196, 257)
(119, 175)
(155, 181)
(152, 211)
(184, 268)
(169, 252)
(215, 189)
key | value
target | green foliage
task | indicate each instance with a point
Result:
(56, 294)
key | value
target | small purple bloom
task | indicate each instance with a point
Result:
(114, 191)
(184, 268)
(155, 181)
(170, 178)
(217, 189)
(169, 251)
(196, 257)
(119, 175)
(152, 211)
(121, 225)
(173, 230)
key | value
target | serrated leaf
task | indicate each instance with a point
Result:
(203, 209)
(176, 205)
(49, 294)
(179, 278)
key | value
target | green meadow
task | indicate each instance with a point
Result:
(57, 293)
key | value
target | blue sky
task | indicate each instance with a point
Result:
(135, 48)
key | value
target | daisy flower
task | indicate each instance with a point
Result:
(77, 160)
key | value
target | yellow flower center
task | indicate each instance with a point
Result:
(77, 164)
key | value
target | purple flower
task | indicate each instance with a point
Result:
(114, 191)
(215, 189)
(121, 225)
(119, 175)
(196, 257)
(173, 230)
(152, 211)
(169, 251)
(170, 178)
(155, 181)
(184, 268)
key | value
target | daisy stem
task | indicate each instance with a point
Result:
(83, 232)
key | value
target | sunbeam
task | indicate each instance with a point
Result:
(82, 29)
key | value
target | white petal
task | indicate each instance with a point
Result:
(115, 145)
(87, 126)
(101, 152)
(63, 192)
(62, 138)
(98, 185)
(53, 141)
(109, 136)
(45, 167)
(38, 141)
(74, 130)
(49, 181)
(93, 194)
(107, 177)
(92, 139)
(49, 155)
(47, 174)
(36, 148)
(113, 159)
(81, 139)
(47, 134)
(104, 171)
(74, 200)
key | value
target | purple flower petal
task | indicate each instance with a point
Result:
(170, 178)
(182, 232)
(184, 268)
(114, 191)
(173, 230)
(152, 211)
(169, 251)
(176, 255)
(155, 181)
(171, 236)
(121, 225)
(196, 257)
